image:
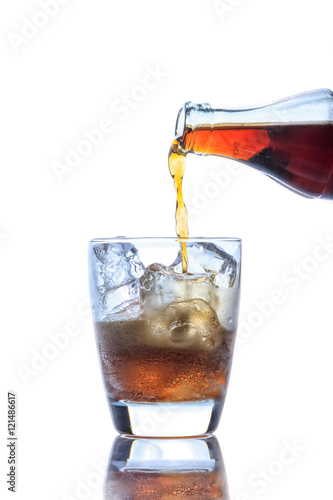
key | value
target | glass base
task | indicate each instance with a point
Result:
(166, 419)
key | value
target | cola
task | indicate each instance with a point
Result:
(141, 364)
(298, 156)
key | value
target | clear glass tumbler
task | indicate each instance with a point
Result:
(165, 339)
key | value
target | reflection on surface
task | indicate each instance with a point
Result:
(162, 469)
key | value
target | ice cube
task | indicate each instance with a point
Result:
(209, 258)
(119, 263)
(161, 285)
(120, 298)
(188, 324)
(117, 269)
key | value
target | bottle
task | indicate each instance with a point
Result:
(290, 140)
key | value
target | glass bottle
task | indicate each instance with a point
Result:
(290, 140)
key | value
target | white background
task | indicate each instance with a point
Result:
(65, 79)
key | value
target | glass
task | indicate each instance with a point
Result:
(290, 140)
(165, 339)
(166, 468)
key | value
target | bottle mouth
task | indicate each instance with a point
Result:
(192, 116)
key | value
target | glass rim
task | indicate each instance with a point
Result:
(120, 239)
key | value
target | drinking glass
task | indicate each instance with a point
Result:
(165, 338)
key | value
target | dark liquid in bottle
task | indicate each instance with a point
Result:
(299, 156)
